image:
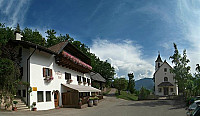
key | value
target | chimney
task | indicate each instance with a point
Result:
(18, 36)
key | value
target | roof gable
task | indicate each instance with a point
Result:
(97, 77)
(58, 47)
(165, 62)
(71, 49)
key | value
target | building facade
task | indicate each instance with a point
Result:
(58, 76)
(164, 83)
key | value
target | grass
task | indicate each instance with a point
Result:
(127, 96)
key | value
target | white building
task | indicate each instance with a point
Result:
(164, 83)
(58, 76)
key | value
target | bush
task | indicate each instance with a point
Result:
(143, 94)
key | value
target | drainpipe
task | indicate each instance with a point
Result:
(28, 72)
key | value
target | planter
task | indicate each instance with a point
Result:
(95, 102)
(69, 81)
(34, 109)
(90, 103)
(14, 108)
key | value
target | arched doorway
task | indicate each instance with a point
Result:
(56, 98)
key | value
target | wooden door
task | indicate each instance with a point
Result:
(56, 99)
(70, 98)
(166, 90)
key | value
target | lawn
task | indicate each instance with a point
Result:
(127, 96)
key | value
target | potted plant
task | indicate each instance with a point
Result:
(96, 100)
(90, 101)
(15, 107)
(33, 106)
(79, 82)
(69, 81)
(84, 83)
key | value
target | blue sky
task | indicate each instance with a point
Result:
(127, 33)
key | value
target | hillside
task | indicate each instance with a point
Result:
(146, 82)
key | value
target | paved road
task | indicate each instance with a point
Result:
(111, 106)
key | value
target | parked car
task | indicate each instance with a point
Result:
(195, 112)
(193, 106)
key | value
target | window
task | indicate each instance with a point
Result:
(40, 96)
(159, 89)
(48, 95)
(88, 81)
(158, 65)
(165, 69)
(84, 79)
(172, 90)
(78, 78)
(21, 71)
(19, 92)
(47, 72)
(84, 94)
(67, 76)
(24, 93)
(165, 79)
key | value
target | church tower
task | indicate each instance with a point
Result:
(158, 62)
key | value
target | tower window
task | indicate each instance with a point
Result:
(165, 69)
(165, 79)
(158, 65)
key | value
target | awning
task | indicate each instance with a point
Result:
(81, 88)
(163, 84)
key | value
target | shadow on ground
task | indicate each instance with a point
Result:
(156, 103)
(151, 103)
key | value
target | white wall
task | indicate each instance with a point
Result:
(159, 78)
(37, 62)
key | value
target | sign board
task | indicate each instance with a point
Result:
(59, 74)
(34, 88)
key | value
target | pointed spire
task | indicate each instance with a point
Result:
(158, 58)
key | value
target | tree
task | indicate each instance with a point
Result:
(131, 83)
(197, 80)
(51, 38)
(9, 65)
(120, 84)
(33, 36)
(143, 93)
(181, 70)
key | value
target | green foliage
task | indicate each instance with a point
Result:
(15, 102)
(33, 36)
(120, 84)
(127, 96)
(131, 83)
(181, 70)
(8, 76)
(143, 94)
(9, 65)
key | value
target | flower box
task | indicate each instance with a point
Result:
(69, 81)
(79, 82)
(47, 78)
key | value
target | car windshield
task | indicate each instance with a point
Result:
(197, 108)
(193, 106)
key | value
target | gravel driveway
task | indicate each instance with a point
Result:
(111, 106)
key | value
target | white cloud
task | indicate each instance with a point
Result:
(125, 57)
(13, 12)
(188, 13)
